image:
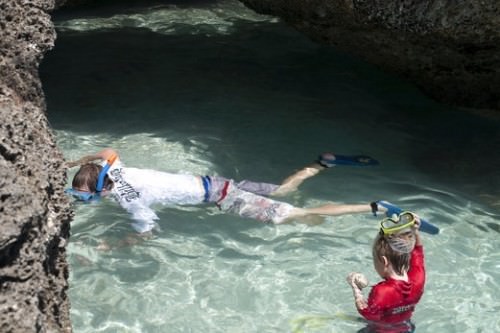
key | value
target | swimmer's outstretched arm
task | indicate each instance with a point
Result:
(102, 155)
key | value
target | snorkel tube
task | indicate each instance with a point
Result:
(104, 172)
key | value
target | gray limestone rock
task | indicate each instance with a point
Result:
(34, 213)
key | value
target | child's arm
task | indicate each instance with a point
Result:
(357, 280)
(359, 299)
(369, 308)
(102, 155)
(416, 226)
(417, 262)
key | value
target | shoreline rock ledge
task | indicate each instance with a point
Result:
(449, 49)
(34, 212)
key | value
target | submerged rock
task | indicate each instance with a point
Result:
(450, 49)
(34, 212)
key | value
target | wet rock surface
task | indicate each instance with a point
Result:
(34, 212)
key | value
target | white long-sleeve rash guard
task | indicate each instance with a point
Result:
(137, 189)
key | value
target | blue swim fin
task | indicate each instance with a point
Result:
(329, 160)
(425, 226)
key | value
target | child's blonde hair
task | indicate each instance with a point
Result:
(400, 260)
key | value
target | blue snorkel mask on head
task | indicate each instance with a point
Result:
(88, 196)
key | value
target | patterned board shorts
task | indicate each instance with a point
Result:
(247, 199)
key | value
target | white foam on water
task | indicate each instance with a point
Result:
(212, 19)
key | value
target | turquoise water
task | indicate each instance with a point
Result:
(213, 88)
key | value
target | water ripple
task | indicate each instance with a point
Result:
(213, 19)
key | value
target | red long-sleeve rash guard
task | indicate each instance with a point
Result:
(393, 301)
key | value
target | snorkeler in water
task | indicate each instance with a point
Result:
(137, 190)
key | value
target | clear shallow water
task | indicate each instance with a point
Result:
(212, 88)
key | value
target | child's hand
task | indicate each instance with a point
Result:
(416, 227)
(417, 224)
(357, 280)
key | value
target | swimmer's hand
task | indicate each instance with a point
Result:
(102, 155)
(84, 160)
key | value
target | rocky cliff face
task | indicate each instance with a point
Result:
(450, 49)
(34, 213)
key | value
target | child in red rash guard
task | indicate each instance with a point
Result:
(398, 258)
